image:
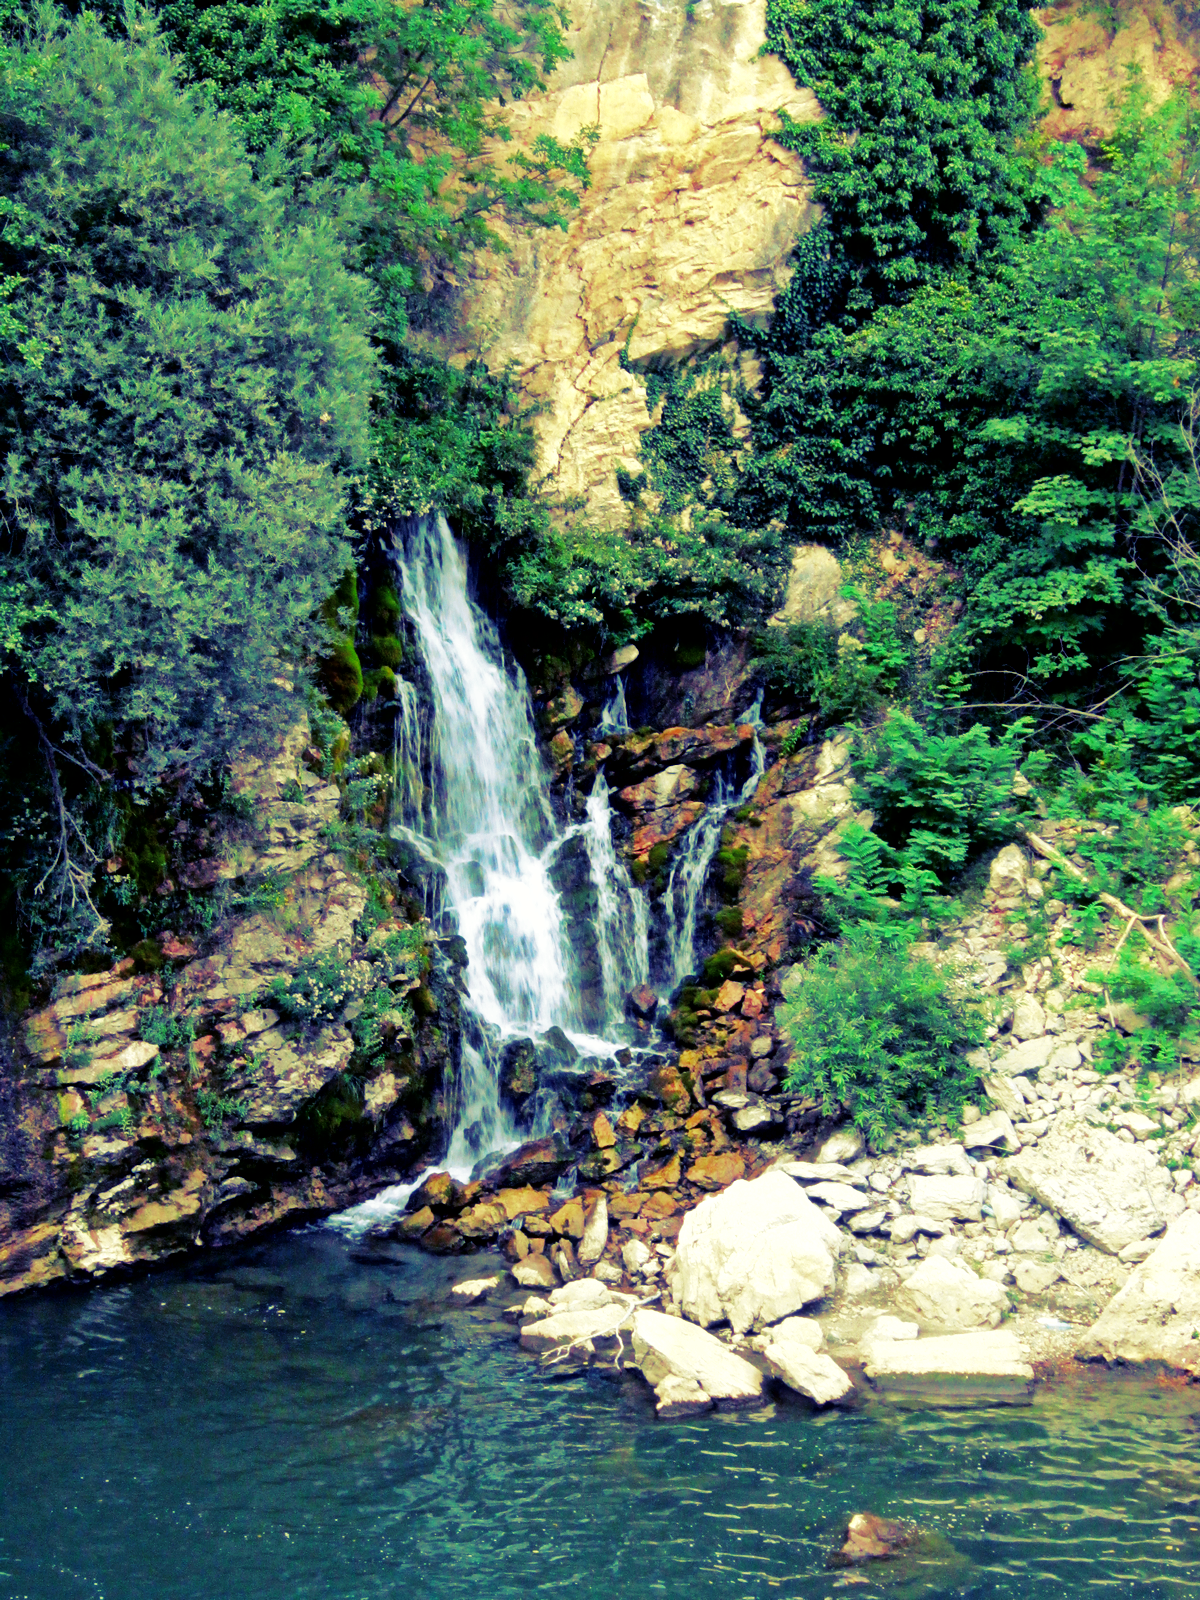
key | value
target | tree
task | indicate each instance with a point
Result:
(179, 447)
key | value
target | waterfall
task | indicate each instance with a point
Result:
(488, 815)
(473, 799)
(622, 918)
(689, 871)
(615, 716)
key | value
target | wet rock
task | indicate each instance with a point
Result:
(1109, 1192)
(534, 1272)
(817, 1377)
(871, 1538)
(1156, 1316)
(680, 1397)
(960, 1369)
(642, 1001)
(753, 1254)
(665, 1347)
(944, 1294)
(756, 1118)
(531, 1165)
(440, 1193)
(517, 1076)
(471, 1290)
(716, 1172)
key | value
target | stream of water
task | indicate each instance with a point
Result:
(293, 1423)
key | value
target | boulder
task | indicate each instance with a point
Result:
(680, 1397)
(539, 1162)
(568, 1331)
(839, 1196)
(821, 1172)
(961, 1369)
(903, 1229)
(945, 1294)
(1111, 1193)
(666, 1347)
(1031, 1056)
(1156, 1316)
(1008, 872)
(992, 1132)
(792, 1330)
(940, 1160)
(580, 1295)
(753, 1254)
(595, 1233)
(817, 1377)
(948, 1199)
(1028, 1020)
(534, 1272)
(844, 1145)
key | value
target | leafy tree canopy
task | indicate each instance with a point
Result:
(180, 432)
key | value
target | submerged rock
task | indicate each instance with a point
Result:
(753, 1254)
(961, 1369)
(870, 1538)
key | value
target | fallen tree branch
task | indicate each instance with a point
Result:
(1153, 927)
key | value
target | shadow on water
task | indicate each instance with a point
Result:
(297, 1423)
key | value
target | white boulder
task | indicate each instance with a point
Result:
(1111, 1193)
(960, 1369)
(949, 1199)
(945, 1294)
(753, 1254)
(1156, 1316)
(817, 1377)
(669, 1347)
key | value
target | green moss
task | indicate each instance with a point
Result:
(720, 966)
(383, 607)
(148, 955)
(341, 677)
(729, 921)
(344, 599)
(388, 649)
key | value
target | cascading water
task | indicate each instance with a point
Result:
(689, 871)
(622, 917)
(615, 716)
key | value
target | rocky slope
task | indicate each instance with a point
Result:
(148, 1112)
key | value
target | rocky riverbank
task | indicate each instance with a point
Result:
(175, 1101)
(1065, 1208)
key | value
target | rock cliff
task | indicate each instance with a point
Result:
(692, 215)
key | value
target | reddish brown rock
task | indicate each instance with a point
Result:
(664, 1176)
(871, 1538)
(643, 1001)
(660, 1205)
(522, 1202)
(729, 996)
(441, 1193)
(603, 1136)
(715, 1172)
(538, 1162)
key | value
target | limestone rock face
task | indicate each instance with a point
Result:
(669, 1347)
(1111, 1193)
(692, 213)
(1156, 1316)
(942, 1294)
(753, 1254)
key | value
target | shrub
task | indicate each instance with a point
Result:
(879, 1031)
(939, 799)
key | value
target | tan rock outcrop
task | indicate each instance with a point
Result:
(691, 215)
(1086, 66)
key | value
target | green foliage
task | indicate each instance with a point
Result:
(216, 1109)
(166, 1028)
(177, 468)
(915, 158)
(321, 987)
(879, 1032)
(939, 799)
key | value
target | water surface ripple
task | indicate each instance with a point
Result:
(298, 1424)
